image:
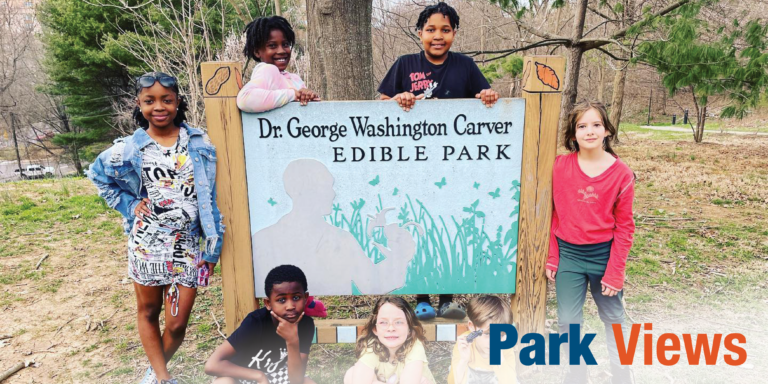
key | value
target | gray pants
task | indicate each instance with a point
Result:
(582, 265)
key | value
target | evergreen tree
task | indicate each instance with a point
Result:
(95, 49)
(86, 77)
(733, 64)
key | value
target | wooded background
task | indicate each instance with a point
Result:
(67, 67)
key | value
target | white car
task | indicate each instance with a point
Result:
(35, 171)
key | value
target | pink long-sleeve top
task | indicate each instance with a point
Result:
(268, 89)
(591, 210)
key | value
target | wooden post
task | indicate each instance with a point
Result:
(542, 91)
(222, 81)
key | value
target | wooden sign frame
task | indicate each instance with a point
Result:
(542, 91)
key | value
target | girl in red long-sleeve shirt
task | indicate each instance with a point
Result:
(592, 229)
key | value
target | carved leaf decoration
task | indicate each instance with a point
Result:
(547, 76)
(239, 78)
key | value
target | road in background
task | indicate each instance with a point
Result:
(7, 169)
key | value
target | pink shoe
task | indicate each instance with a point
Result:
(315, 308)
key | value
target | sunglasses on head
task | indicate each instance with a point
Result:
(147, 81)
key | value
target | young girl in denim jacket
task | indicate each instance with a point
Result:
(162, 180)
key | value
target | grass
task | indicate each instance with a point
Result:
(699, 254)
(653, 134)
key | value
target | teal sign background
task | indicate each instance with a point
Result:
(446, 174)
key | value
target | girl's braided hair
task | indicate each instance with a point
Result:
(441, 8)
(257, 34)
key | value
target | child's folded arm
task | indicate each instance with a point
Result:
(263, 91)
(219, 365)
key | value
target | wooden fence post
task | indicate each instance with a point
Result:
(221, 82)
(542, 91)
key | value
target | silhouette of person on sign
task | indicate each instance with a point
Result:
(330, 257)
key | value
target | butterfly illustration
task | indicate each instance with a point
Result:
(395, 192)
(375, 181)
(496, 193)
(476, 186)
(271, 202)
(440, 184)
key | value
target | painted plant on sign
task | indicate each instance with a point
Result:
(453, 254)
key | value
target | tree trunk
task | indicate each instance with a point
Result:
(617, 102)
(601, 80)
(698, 136)
(16, 143)
(573, 63)
(701, 116)
(339, 40)
(74, 148)
(620, 78)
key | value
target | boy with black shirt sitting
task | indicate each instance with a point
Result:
(436, 72)
(272, 343)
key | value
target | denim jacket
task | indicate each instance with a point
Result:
(117, 175)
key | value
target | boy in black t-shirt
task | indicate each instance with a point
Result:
(436, 72)
(272, 343)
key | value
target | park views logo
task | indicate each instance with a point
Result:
(668, 346)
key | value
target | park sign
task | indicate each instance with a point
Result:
(368, 199)
(350, 180)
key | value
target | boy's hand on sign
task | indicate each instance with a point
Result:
(304, 96)
(406, 100)
(287, 330)
(489, 97)
(551, 275)
(609, 291)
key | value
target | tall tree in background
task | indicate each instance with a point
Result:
(95, 49)
(626, 10)
(175, 37)
(16, 40)
(340, 49)
(87, 78)
(577, 42)
(734, 65)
